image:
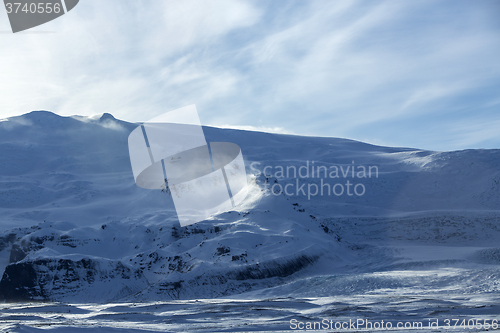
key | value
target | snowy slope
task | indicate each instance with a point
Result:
(76, 228)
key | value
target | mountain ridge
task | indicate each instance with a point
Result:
(75, 223)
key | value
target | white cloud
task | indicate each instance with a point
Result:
(432, 92)
(472, 133)
(115, 56)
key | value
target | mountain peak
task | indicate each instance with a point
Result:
(107, 116)
(38, 117)
(41, 114)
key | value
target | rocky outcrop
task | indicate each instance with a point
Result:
(65, 279)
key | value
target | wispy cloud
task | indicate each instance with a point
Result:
(124, 57)
(432, 92)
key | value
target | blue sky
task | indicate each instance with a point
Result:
(402, 73)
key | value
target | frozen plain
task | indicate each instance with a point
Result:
(421, 243)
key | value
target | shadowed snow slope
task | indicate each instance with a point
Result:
(76, 227)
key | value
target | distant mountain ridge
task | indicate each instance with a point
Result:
(77, 228)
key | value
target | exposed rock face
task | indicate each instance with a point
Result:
(19, 284)
(65, 279)
(224, 283)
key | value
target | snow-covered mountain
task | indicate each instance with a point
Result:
(76, 227)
